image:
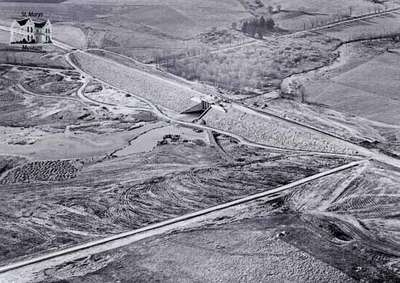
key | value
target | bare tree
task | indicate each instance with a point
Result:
(350, 11)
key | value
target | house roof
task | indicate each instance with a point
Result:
(40, 24)
(23, 21)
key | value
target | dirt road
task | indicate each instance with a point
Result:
(24, 271)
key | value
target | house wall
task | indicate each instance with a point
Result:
(19, 33)
(30, 33)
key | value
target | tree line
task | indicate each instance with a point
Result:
(258, 27)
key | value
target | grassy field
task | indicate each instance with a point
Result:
(71, 35)
(372, 27)
(27, 58)
(369, 90)
(322, 6)
(378, 76)
(295, 14)
(138, 28)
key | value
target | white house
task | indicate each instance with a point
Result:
(26, 31)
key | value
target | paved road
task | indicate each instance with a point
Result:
(24, 271)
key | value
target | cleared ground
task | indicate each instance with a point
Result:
(46, 123)
(350, 216)
(96, 199)
(226, 253)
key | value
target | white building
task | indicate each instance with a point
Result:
(26, 31)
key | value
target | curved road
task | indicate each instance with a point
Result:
(364, 151)
(157, 111)
(23, 271)
(376, 155)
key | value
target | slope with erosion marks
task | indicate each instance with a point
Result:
(358, 130)
(245, 251)
(120, 194)
(351, 128)
(298, 244)
(355, 211)
(159, 91)
(273, 132)
(164, 198)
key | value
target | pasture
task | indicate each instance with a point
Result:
(37, 59)
(140, 29)
(323, 7)
(70, 34)
(369, 90)
(297, 13)
(371, 27)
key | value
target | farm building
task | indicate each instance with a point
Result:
(27, 31)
